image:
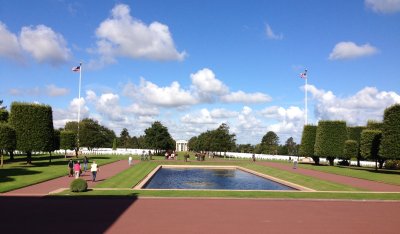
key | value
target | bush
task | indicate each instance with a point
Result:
(308, 142)
(392, 164)
(390, 143)
(78, 185)
(350, 149)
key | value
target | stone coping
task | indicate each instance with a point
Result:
(292, 185)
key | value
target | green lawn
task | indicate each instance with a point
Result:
(18, 174)
(382, 175)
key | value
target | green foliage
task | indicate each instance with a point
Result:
(56, 140)
(392, 164)
(193, 144)
(390, 144)
(8, 140)
(114, 147)
(350, 149)
(245, 148)
(124, 138)
(1, 105)
(330, 138)
(270, 142)
(219, 140)
(93, 135)
(78, 185)
(33, 124)
(374, 125)
(157, 137)
(308, 141)
(354, 133)
(291, 146)
(67, 140)
(3, 115)
(370, 141)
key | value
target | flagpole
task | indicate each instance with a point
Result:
(305, 100)
(79, 102)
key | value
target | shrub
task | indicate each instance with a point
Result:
(330, 138)
(370, 141)
(390, 144)
(308, 142)
(78, 185)
(350, 149)
(374, 125)
(392, 164)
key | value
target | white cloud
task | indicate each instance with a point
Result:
(202, 117)
(242, 97)
(9, 46)
(62, 116)
(383, 6)
(271, 35)
(141, 110)
(205, 82)
(349, 50)
(223, 113)
(54, 91)
(123, 36)
(44, 44)
(368, 103)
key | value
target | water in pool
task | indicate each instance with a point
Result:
(196, 178)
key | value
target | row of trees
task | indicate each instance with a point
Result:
(217, 140)
(333, 139)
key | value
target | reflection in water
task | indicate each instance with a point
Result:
(200, 178)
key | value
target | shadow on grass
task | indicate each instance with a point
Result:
(379, 171)
(6, 173)
(62, 214)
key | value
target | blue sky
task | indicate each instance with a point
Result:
(196, 64)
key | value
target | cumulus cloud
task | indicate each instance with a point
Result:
(62, 116)
(242, 97)
(349, 50)
(290, 120)
(383, 6)
(368, 103)
(121, 35)
(54, 91)
(201, 117)
(142, 110)
(44, 44)
(205, 82)
(9, 46)
(271, 35)
(221, 113)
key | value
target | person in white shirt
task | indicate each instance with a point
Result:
(94, 169)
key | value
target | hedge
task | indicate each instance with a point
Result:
(390, 144)
(308, 142)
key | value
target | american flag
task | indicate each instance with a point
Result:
(76, 69)
(304, 74)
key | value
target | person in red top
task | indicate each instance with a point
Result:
(77, 169)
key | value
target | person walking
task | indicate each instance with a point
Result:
(77, 169)
(94, 169)
(85, 163)
(70, 168)
(130, 160)
(253, 157)
(295, 163)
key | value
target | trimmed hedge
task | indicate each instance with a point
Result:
(308, 142)
(8, 139)
(330, 138)
(370, 141)
(67, 140)
(78, 185)
(374, 125)
(390, 144)
(354, 133)
(350, 149)
(3, 115)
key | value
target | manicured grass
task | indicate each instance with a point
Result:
(239, 194)
(382, 175)
(18, 174)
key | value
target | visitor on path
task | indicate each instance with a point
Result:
(295, 163)
(77, 169)
(94, 169)
(253, 157)
(70, 168)
(85, 163)
(130, 160)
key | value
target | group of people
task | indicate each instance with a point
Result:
(171, 155)
(75, 169)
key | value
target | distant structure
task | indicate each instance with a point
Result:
(181, 145)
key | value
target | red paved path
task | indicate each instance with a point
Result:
(44, 188)
(355, 182)
(175, 216)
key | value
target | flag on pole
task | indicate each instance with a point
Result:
(76, 69)
(304, 74)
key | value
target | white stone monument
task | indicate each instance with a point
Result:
(181, 145)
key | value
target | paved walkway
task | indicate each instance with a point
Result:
(46, 187)
(355, 182)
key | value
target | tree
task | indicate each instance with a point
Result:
(354, 133)
(1, 105)
(93, 135)
(330, 138)
(350, 150)
(67, 140)
(114, 146)
(291, 146)
(390, 144)
(193, 144)
(245, 148)
(56, 142)
(157, 137)
(308, 142)
(370, 141)
(33, 124)
(3, 115)
(124, 138)
(270, 142)
(374, 125)
(221, 139)
(8, 140)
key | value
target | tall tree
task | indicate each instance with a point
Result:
(1, 105)
(370, 142)
(390, 144)
(93, 135)
(33, 124)
(157, 137)
(270, 142)
(330, 139)
(308, 142)
(3, 116)
(291, 146)
(124, 138)
(354, 133)
(67, 140)
(222, 140)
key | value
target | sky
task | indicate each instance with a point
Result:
(194, 65)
